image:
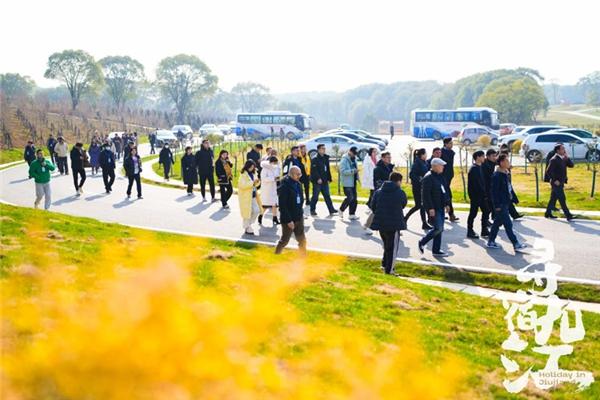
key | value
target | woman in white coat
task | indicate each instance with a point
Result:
(269, 177)
(366, 181)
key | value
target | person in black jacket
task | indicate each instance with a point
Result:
(556, 174)
(133, 169)
(435, 201)
(77, 166)
(152, 140)
(502, 196)
(387, 204)
(320, 175)
(435, 153)
(107, 163)
(448, 157)
(205, 163)
(223, 169)
(291, 200)
(165, 158)
(294, 159)
(50, 145)
(188, 170)
(417, 172)
(477, 196)
(254, 154)
(382, 170)
(29, 153)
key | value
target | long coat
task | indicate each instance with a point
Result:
(366, 178)
(268, 179)
(94, 151)
(188, 169)
(245, 186)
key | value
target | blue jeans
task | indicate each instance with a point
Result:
(502, 217)
(318, 189)
(436, 232)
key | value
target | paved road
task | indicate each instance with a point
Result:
(576, 244)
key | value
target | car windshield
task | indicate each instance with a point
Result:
(582, 134)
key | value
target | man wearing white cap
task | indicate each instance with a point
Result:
(436, 200)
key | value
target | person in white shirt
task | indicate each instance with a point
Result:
(366, 181)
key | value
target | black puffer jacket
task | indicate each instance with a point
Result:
(388, 203)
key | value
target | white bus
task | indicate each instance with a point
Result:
(273, 124)
(439, 124)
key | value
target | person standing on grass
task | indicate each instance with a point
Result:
(254, 153)
(152, 140)
(435, 201)
(417, 171)
(321, 178)
(367, 182)
(50, 145)
(108, 165)
(94, 152)
(77, 166)
(502, 197)
(206, 172)
(39, 170)
(223, 169)
(133, 169)
(165, 158)
(349, 176)
(269, 182)
(556, 174)
(305, 179)
(291, 203)
(448, 157)
(188, 170)
(477, 196)
(388, 204)
(248, 196)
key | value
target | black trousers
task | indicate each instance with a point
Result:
(450, 206)
(476, 205)
(108, 176)
(210, 177)
(226, 192)
(152, 150)
(76, 174)
(558, 194)
(416, 189)
(166, 169)
(190, 187)
(63, 166)
(391, 242)
(138, 184)
(286, 234)
(306, 185)
(350, 201)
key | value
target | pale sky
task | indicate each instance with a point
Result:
(311, 45)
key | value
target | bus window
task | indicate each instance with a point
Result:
(290, 120)
(448, 116)
(243, 119)
(266, 119)
(461, 116)
(255, 119)
(437, 117)
(423, 117)
(299, 123)
(475, 116)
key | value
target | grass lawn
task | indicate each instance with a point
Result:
(10, 155)
(93, 310)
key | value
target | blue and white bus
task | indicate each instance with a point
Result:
(274, 124)
(439, 124)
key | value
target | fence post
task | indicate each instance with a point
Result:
(593, 182)
(537, 183)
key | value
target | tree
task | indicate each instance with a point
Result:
(591, 87)
(13, 86)
(184, 78)
(517, 99)
(252, 96)
(77, 69)
(121, 74)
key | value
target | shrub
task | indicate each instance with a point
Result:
(484, 141)
(215, 139)
(516, 146)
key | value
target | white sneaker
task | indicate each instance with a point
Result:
(368, 232)
(368, 212)
(341, 214)
(353, 217)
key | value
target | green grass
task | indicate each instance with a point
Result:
(10, 155)
(354, 295)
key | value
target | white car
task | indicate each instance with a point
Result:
(165, 136)
(522, 134)
(343, 145)
(536, 147)
(186, 129)
(208, 129)
(224, 128)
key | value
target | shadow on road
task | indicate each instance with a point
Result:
(65, 200)
(198, 208)
(123, 203)
(18, 181)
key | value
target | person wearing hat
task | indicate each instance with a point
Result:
(77, 166)
(62, 151)
(349, 176)
(435, 199)
(39, 170)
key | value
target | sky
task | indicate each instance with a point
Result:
(312, 45)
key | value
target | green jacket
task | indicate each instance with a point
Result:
(39, 173)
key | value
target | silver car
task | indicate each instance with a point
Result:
(471, 134)
(336, 142)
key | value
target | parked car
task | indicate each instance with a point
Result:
(207, 129)
(580, 133)
(369, 135)
(358, 138)
(165, 136)
(471, 134)
(507, 129)
(186, 129)
(225, 129)
(536, 147)
(343, 144)
(522, 134)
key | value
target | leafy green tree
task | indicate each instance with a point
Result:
(78, 70)
(14, 86)
(591, 86)
(252, 96)
(184, 78)
(121, 74)
(517, 99)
